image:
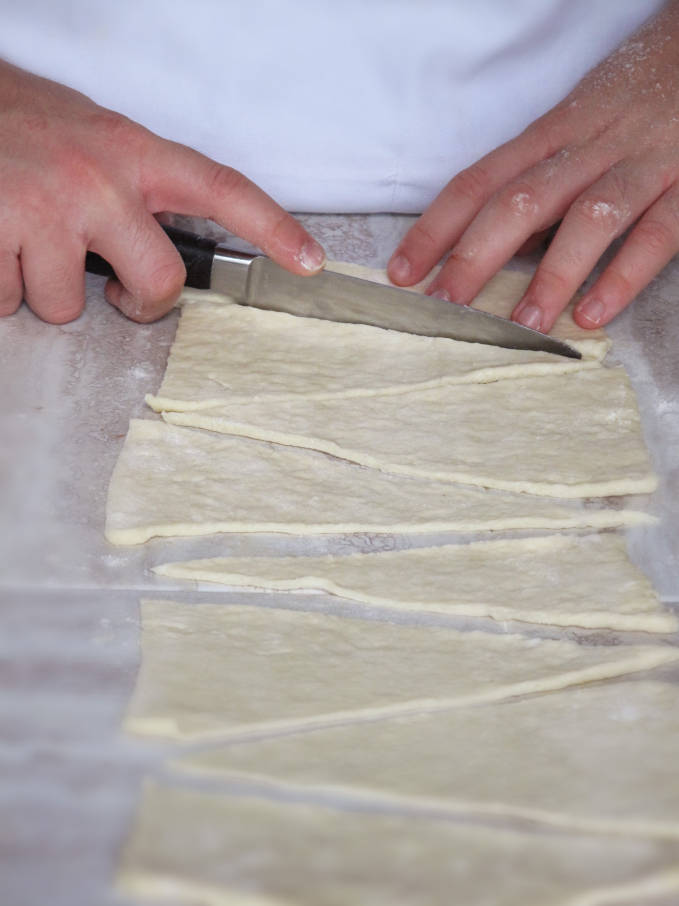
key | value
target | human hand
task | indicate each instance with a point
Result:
(605, 158)
(77, 177)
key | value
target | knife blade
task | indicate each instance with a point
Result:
(258, 281)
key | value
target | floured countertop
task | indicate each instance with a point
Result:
(69, 600)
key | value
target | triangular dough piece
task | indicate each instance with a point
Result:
(222, 351)
(209, 670)
(570, 435)
(561, 580)
(218, 850)
(175, 481)
(600, 759)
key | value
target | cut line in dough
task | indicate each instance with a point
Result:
(316, 855)
(224, 350)
(210, 671)
(560, 580)
(543, 759)
(171, 481)
(584, 430)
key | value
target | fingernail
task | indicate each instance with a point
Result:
(442, 294)
(312, 256)
(592, 311)
(400, 269)
(530, 316)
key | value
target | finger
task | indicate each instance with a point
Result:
(11, 283)
(601, 214)
(451, 212)
(647, 249)
(537, 240)
(150, 271)
(186, 182)
(525, 206)
(54, 278)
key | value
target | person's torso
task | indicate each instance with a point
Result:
(348, 106)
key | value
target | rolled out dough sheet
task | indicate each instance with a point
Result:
(222, 351)
(561, 580)
(210, 670)
(178, 481)
(218, 850)
(569, 435)
(597, 758)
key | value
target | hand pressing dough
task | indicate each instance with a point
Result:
(222, 351)
(175, 481)
(601, 759)
(499, 296)
(570, 435)
(219, 850)
(560, 580)
(210, 670)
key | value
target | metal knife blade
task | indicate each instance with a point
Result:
(258, 281)
(261, 283)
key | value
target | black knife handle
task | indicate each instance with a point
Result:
(197, 253)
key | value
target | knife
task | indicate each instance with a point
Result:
(258, 281)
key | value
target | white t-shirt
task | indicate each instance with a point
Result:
(351, 105)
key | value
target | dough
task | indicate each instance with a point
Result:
(221, 850)
(560, 579)
(210, 670)
(175, 481)
(222, 351)
(598, 758)
(569, 435)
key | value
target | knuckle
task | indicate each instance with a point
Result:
(549, 283)
(473, 183)
(165, 279)
(548, 133)
(616, 285)
(115, 128)
(225, 182)
(600, 212)
(283, 227)
(656, 236)
(519, 199)
(421, 236)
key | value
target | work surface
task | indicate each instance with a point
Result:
(69, 601)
